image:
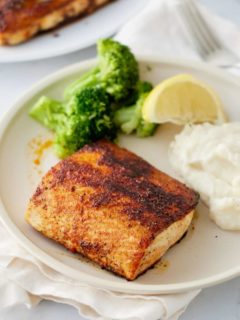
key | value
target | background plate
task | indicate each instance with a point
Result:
(207, 255)
(75, 35)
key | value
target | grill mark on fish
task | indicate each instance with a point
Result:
(102, 199)
(133, 167)
(89, 247)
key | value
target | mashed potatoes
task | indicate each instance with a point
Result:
(208, 158)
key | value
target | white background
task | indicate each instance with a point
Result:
(221, 302)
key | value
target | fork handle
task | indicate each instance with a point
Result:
(222, 58)
(231, 66)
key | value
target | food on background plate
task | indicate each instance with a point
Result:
(208, 158)
(21, 20)
(183, 99)
(107, 98)
(113, 207)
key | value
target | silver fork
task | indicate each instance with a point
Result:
(206, 42)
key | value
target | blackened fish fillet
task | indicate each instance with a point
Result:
(113, 207)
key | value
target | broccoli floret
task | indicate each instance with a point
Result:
(116, 72)
(143, 87)
(145, 128)
(48, 112)
(86, 117)
(129, 119)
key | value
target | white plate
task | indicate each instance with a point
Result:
(76, 35)
(204, 257)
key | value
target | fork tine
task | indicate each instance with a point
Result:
(201, 26)
(210, 37)
(198, 39)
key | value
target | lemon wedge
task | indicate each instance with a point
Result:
(182, 99)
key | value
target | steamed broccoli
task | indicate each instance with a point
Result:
(129, 118)
(48, 112)
(116, 72)
(86, 117)
(92, 108)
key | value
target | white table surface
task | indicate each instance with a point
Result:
(221, 302)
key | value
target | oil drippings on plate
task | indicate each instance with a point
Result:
(37, 148)
(77, 256)
(162, 265)
(194, 220)
(192, 226)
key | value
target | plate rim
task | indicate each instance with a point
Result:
(127, 287)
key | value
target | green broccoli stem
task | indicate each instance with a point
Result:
(125, 119)
(48, 112)
(90, 78)
(146, 129)
(129, 119)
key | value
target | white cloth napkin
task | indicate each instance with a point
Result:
(26, 280)
(159, 31)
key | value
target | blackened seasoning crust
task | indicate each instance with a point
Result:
(129, 177)
(108, 198)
